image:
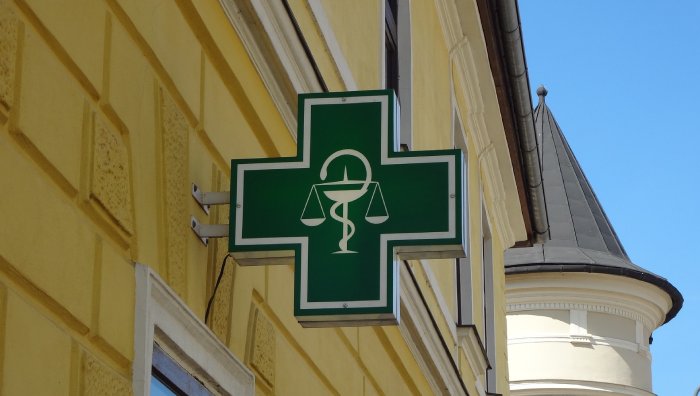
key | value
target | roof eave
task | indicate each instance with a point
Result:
(662, 283)
(503, 36)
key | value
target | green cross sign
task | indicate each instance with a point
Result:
(347, 208)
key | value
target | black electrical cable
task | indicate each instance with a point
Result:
(216, 286)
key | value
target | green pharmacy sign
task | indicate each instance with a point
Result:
(347, 208)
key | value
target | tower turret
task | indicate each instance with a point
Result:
(580, 313)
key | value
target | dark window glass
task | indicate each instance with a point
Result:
(391, 52)
(168, 378)
(160, 388)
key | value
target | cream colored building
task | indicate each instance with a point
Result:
(111, 109)
(580, 313)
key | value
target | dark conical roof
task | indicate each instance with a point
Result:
(580, 236)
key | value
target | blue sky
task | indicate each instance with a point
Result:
(624, 85)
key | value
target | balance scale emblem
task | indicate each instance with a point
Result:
(342, 192)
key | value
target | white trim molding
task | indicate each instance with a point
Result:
(602, 308)
(424, 341)
(586, 339)
(435, 290)
(468, 62)
(269, 37)
(474, 351)
(613, 294)
(160, 315)
(573, 388)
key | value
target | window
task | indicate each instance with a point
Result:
(174, 352)
(391, 48)
(470, 285)
(464, 292)
(397, 62)
(168, 378)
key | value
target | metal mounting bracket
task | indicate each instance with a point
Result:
(206, 231)
(206, 199)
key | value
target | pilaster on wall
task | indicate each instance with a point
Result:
(111, 176)
(174, 175)
(106, 184)
(261, 348)
(221, 315)
(98, 379)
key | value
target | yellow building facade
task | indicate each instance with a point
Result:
(111, 109)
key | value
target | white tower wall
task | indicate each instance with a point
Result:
(581, 333)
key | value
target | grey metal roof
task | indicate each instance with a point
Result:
(580, 237)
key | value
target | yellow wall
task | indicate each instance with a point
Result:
(432, 103)
(108, 111)
(359, 29)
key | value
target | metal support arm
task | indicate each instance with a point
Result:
(206, 231)
(206, 199)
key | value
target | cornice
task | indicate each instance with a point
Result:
(610, 294)
(573, 388)
(602, 308)
(464, 68)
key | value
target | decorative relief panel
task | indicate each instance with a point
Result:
(221, 314)
(262, 347)
(99, 380)
(174, 156)
(111, 181)
(8, 54)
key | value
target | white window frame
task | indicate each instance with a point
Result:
(403, 30)
(465, 314)
(405, 68)
(160, 315)
(489, 301)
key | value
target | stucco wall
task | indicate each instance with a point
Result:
(108, 111)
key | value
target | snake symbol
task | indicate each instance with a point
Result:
(343, 192)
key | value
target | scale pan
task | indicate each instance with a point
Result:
(313, 222)
(376, 219)
(376, 211)
(313, 211)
